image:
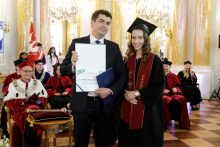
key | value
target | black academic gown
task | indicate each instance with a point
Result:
(189, 89)
(43, 79)
(152, 131)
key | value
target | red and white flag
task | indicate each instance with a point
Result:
(33, 53)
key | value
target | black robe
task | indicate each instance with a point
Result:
(152, 131)
(42, 79)
(189, 89)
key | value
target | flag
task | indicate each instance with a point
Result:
(33, 53)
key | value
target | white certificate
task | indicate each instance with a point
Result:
(91, 62)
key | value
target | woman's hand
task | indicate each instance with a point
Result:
(133, 101)
(129, 95)
(65, 93)
(57, 94)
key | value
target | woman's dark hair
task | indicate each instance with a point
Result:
(21, 55)
(95, 15)
(146, 48)
(54, 71)
(49, 53)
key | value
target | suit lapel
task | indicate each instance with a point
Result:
(107, 49)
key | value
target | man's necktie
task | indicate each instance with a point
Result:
(97, 41)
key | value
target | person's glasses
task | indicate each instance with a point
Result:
(27, 71)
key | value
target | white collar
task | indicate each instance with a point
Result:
(93, 39)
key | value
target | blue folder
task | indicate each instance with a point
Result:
(104, 80)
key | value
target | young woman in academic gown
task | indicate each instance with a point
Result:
(142, 120)
(189, 88)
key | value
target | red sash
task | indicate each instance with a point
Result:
(133, 114)
(41, 55)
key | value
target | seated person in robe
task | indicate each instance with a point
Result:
(25, 93)
(174, 103)
(59, 90)
(39, 72)
(190, 90)
(10, 78)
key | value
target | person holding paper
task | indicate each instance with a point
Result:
(88, 107)
(142, 120)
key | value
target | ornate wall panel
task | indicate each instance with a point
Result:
(24, 8)
(64, 51)
(180, 29)
(117, 23)
(202, 32)
(69, 35)
(45, 24)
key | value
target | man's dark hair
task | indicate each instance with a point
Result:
(95, 15)
(39, 44)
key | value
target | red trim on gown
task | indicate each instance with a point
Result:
(8, 80)
(173, 79)
(54, 83)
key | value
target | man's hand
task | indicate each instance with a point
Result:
(103, 92)
(174, 90)
(129, 95)
(57, 94)
(74, 58)
(166, 91)
(65, 93)
(34, 97)
(14, 80)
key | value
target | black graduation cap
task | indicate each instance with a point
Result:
(57, 64)
(165, 61)
(140, 24)
(16, 62)
(187, 62)
(38, 61)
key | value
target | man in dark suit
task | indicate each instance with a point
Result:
(88, 108)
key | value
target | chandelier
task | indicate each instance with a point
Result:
(154, 11)
(64, 9)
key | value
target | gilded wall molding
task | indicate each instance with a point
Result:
(116, 23)
(24, 8)
(202, 33)
(45, 24)
(180, 31)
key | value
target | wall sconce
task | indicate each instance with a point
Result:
(168, 33)
(6, 26)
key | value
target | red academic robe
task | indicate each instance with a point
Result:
(18, 111)
(172, 80)
(53, 83)
(8, 80)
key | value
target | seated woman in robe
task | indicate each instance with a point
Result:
(59, 89)
(189, 88)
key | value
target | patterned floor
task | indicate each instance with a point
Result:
(204, 130)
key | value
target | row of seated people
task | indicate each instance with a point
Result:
(177, 92)
(18, 99)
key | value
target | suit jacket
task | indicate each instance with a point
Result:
(113, 59)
